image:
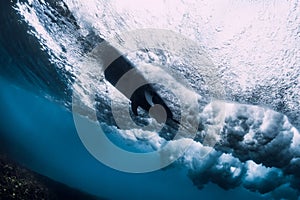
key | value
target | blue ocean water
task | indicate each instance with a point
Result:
(41, 135)
(44, 43)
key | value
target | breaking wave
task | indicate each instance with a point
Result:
(254, 46)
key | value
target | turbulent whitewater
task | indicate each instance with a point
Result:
(254, 47)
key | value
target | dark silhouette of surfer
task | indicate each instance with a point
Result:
(145, 97)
